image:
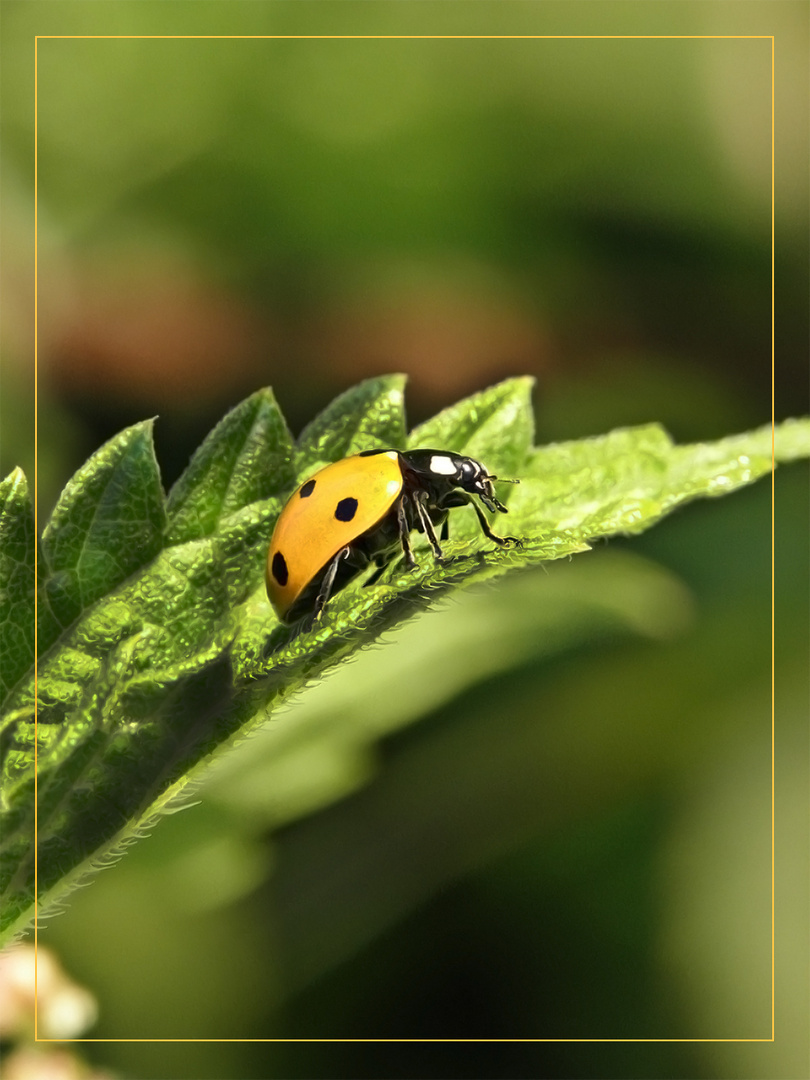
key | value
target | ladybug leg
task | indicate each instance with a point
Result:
(461, 498)
(402, 522)
(503, 541)
(427, 525)
(327, 583)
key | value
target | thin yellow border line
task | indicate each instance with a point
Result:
(417, 37)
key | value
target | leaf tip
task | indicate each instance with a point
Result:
(16, 481)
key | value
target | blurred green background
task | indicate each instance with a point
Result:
(573, 841)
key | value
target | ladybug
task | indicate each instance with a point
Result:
(360, 511)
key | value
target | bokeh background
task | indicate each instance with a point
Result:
(545, 810)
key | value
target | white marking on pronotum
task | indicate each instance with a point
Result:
(442, 465)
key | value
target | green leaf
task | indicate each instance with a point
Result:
(158, 646)
(370, 414)
(625, 481)
(248, 456)
(17, 582)
(107, 524)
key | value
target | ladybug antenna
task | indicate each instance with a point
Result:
(502, 479)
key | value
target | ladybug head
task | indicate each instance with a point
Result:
(473, 477)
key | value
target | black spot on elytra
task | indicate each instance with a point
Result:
(371, 453)
(346, 509)
(307, 489)
(279, 567)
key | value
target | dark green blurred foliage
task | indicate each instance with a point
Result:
(219, 214)
(577, 847)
